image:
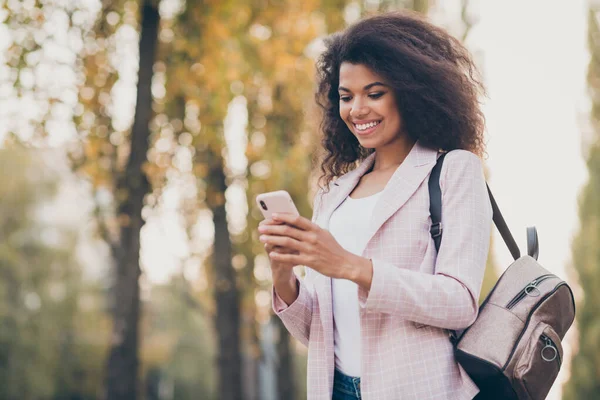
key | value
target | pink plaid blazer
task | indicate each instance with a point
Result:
(416, 295)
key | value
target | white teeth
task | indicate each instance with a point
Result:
(362, 127)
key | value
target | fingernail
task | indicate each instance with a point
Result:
(261, 228)
(262, 238)
(274, 216)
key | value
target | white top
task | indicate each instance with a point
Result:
(349, 225)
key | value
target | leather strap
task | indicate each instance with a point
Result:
(435, 210)
(503, 228)
(435, 202)
(533, 246)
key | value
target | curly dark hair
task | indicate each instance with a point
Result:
(435, 82)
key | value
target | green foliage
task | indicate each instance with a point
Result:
(45, 350)
(585, 368)
(178, 343)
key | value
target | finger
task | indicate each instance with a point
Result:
(269, 221)
(266, 221)
(269, 248)
(284, 250)
(282, 241)
(287, 258)
(285, 230)
(295, 220)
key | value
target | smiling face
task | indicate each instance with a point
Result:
(368, 107)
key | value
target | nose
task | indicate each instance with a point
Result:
(358, 109)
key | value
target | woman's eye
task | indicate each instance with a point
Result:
(345, 99)
(376, 95)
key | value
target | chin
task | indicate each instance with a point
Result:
(367, 144)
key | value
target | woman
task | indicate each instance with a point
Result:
(377, 300)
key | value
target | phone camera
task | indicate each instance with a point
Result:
(263, 205)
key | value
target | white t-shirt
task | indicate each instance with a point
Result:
(349, 225)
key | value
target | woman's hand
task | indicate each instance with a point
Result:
(280, 270)
(282, 273)
(298, 241)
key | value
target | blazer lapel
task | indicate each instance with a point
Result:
(402, 185)
(342, 187)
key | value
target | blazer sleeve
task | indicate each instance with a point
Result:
(297, 316)
(448, 298)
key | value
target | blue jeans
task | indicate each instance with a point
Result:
(345, 387)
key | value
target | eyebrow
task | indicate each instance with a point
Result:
(369, 86)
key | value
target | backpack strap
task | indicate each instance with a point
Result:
(435, 210)
(435, 202)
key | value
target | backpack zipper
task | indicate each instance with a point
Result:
(549, 344)
(527, 290)
(531, 312)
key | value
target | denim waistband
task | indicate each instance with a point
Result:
(347, 384)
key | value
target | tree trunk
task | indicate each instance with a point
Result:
(225, 291)
(122, 365)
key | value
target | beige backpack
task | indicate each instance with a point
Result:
(513, 350)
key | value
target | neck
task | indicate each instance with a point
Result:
(391, 156)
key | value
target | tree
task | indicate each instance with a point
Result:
(132, 186)
(112, 159)
(585, 366)
(201, 63)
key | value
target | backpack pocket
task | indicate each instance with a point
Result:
(538, 364)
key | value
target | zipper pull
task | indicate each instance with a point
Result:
(532, 290)
(550, 354)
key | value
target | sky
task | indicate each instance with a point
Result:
(535, 73)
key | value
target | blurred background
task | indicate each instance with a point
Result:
(135, 135)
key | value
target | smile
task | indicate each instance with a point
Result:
(366, 128)
(368, 125)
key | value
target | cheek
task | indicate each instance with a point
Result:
(344, 111)
(393, 114)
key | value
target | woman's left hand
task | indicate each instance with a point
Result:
(315, 247)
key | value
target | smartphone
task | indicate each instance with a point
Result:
(279, 201)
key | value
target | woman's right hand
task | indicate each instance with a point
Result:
(282, 274)
(278, 269)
